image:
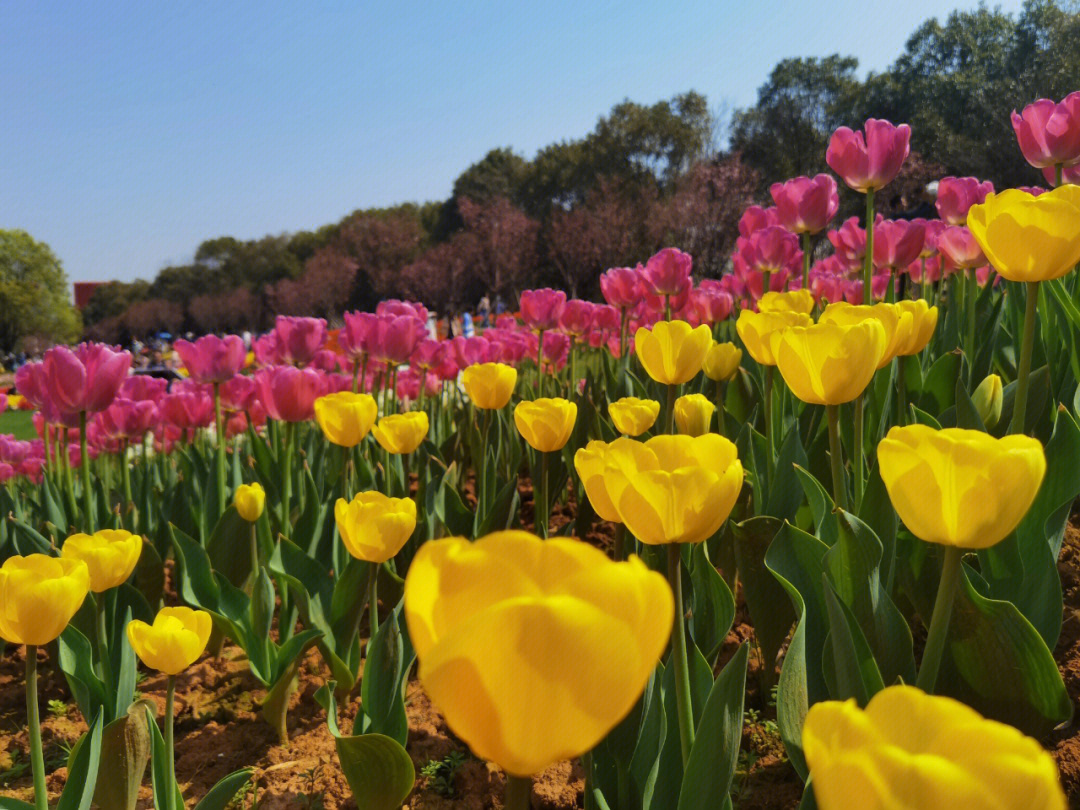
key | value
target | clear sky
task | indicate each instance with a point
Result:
(132, 131)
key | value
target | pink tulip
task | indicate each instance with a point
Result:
(393, 338)
(507, 346)
(1049, 133)
(143, 386)
(86, 379)
(299, 338)
(805, 205)
(897, 242)
(668, 272)
(426, 354)
(30, 382)
(7, 472)
(849, 242)
(605, 317)
(930, 267)
(870, 162)
(932, 229)
(622, 287)
(1034, 191)
(289, 393)
(540, 309)
(1069, 175)
(238, 393)
(959, 247)
(957, 194)
(468, 351)
(556, 351)
(13, 450)
(408, 384)
(710, 304)
(755, 218)
(393, 306)
(577, 317)
(267, 350)
(355, 335)
(212, 359)
(33, 469)
(127, 418)
(187, 410)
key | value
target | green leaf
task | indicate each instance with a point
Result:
(221, 794)
(125, 752)
(159, 765)
(83, 767)
(849, 665)
(7, 803)
(939, 385)
(229, 547)
(716, 747)
(785, 496)
(76, 662)
(385, 673)
(378, 769)
(712, 604)
(821, 505)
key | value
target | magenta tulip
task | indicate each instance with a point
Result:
(143, 386)
(1049, 133)
(540, 309)
(187, 409)
(577, 317)
(556, 350)
(426, 354)
(289, 393)
(805, 205)
(468, 351)
(237, 393)
(393, 338)
(394, 307)
(755, 218)
(849, 242)
(212, 359)
(86, 379)
(298, 339)
(355, 336)
(605, 317)
(668, 272)
(959, 247)
(128, 418)
(711, 304)
(897, 242)
(957, 194)
(622, 287)
(30, 383)
(932, 229)
(869, 162)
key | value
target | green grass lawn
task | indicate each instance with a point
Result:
(21, 423)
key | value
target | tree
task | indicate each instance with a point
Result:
(145, 318)
(443, 277)
(506, 245)
(381, 242)
(34, 301)
(111, 299)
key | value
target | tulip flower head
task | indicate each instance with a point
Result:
(671, 352)
(540, 309)
(755, 329)
(1028, 238)
(960, 488)
(829, 363)
(673, 489)
(622, 287)
(489, 385)
(924, 320)
(633, 416)
(84, 379)
(912, 751)
(871, 161)
(38, 596)
(721, 361)
(110, 556)
(494, 623)
(212, 359)
(401, 433)
(174, 641)
(956, 195)
(668, 272)
(988, 398)
(895, 320)
(1049, 132)
(790, 301)
(297, 340)
(374, 527)
(693, 414)
(250, 500)
(590, 462)
(346, 418)
(804, 204)
(546, 423)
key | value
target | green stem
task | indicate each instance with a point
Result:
(901, 392)
(170, 754)
(373, 600)
(125, 479)
(219, 446)
(805, 260)
(1057, 174)
(766, 278)
(667, 307)
(84, 469)
(540, 365)
(1024, 370)
(33, 719)
(769, 440)
(859, 461)
(868, 259)
(286, 483)
(939, 622)
(542, 498)
(518, 792)
(720, 408)
(973, 295)
(46, 431)
(102, 638)
(255, 564)
(678, 655)
(69, 478)
(669, 415)
(836, 461)
(619, 551)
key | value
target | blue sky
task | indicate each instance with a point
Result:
(130, 132)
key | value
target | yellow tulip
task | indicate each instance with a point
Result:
(988, 398)
(923, 323)
(721, 361)
(960, 488)
(250, 500)
(545, 423)
(346, 418)
(792, 301)
(110, 556)
(1028, 238)
(39, 595)
(756, 328)
(633, 416)
(401, 433)
(590, 462)
(671, 352)
(489, 385)
(828, 364)
(374, 527)
(897, 323)
(673, 489)
(912, 751)
(693, 414)
(495, 623)
(174, 641)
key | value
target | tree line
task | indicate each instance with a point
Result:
(646, 176)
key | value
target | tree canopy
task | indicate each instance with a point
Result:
(34, 303)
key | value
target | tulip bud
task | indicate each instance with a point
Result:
(721, 361)
(987, 400)
(174, 641)
(401, 433)
(39, 595)
(633, 416)
(250, 500)
(374, 527)
(545, 423)
(693, 414)
(346, 418)
(110, 555)
(489, 385)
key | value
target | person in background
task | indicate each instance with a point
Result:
(467, 325)
(483, 310)
(500, 305)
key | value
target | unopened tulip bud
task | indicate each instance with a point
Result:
(693, 414)
(987, 400)
(250, 500)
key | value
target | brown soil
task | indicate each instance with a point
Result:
(219, 730)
